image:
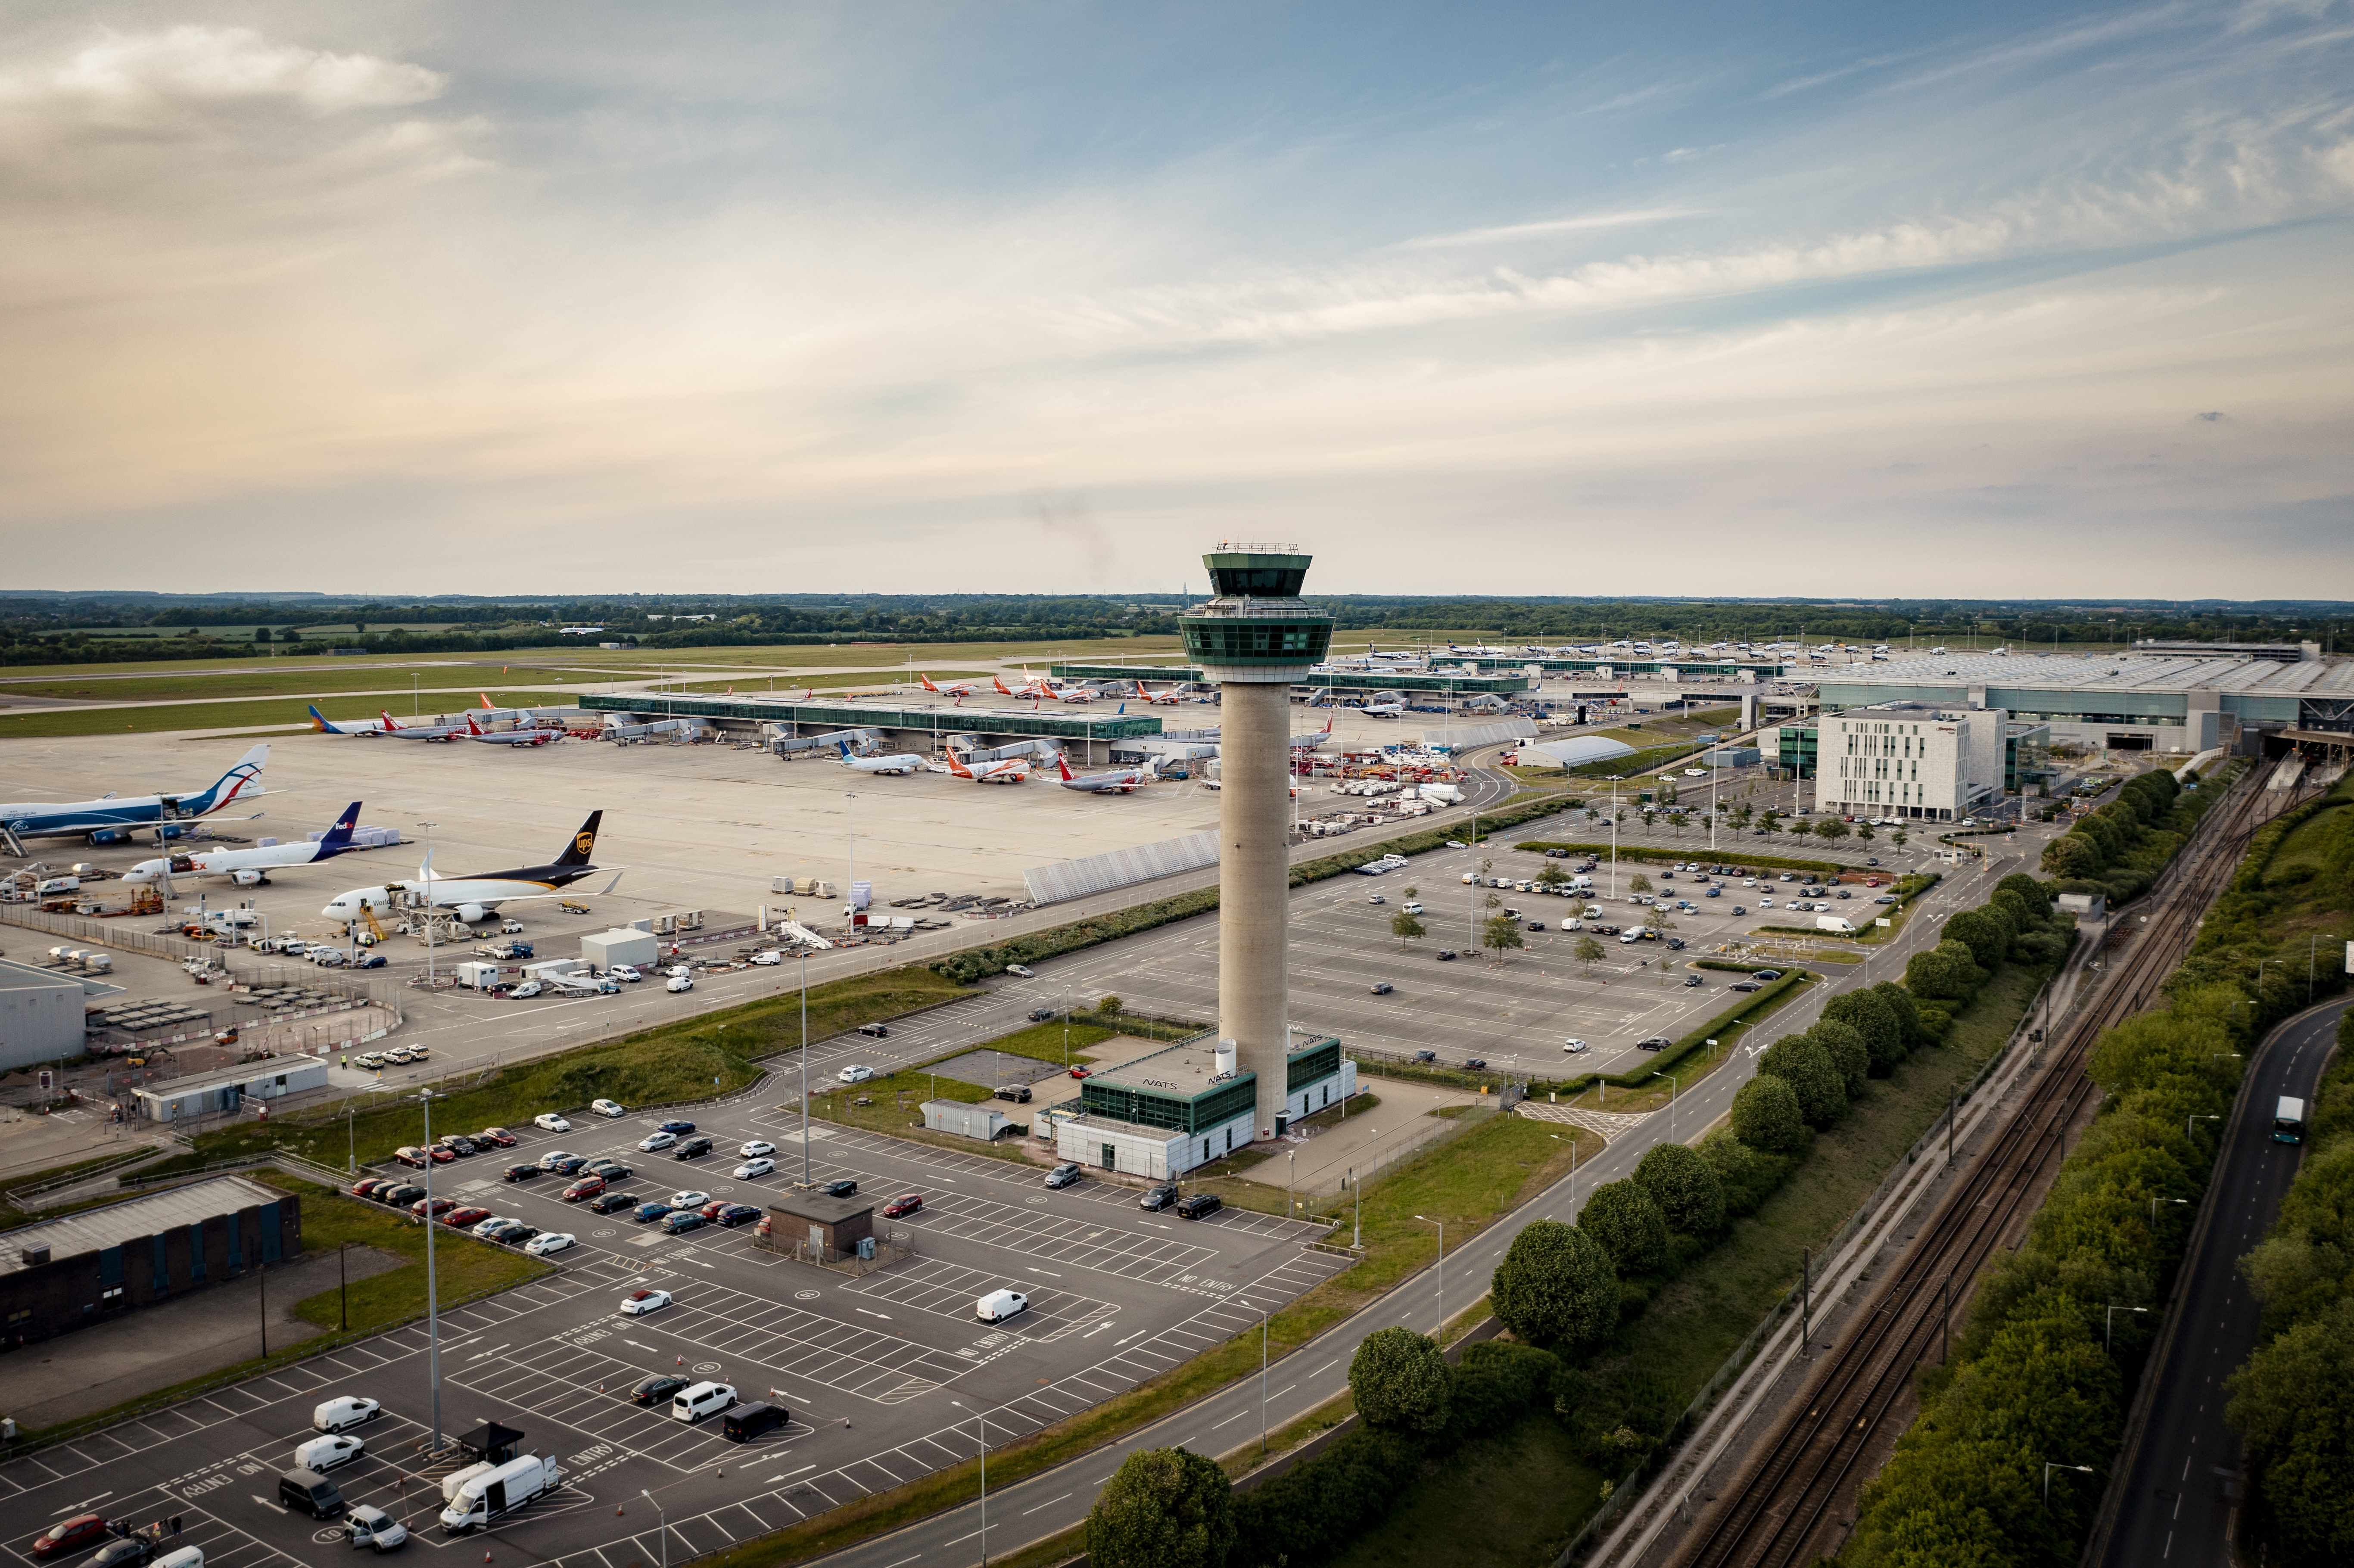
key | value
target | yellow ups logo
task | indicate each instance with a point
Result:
(582, 843)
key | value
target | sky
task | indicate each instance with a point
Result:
(1818, 299)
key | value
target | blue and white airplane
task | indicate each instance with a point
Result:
(321, 724)
(116, 819)
(250, 867)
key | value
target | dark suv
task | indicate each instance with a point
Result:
(691, 1149)
(1155, 1199)
(1201, 1206)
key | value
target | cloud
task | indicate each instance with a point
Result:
(1543, 227)
(126, 79)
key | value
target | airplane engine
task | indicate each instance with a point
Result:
(474, 914)
(247, 878)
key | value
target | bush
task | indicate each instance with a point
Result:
(1876, 1022)
(1845, 1047)
(1163, 1508)
(1621, 1216)
(1985, 932)
(1747, 1175)
(1556, 1286)
(1808, 1070)
(1495, 1385)
(1765, 1116)
(1400, 1382)
(1308, 1513)
(2294, 1406)
(1899, 1001)
(1684, 1187)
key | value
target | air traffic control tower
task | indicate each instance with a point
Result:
(1257, 638)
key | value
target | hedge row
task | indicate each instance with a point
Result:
(2017, 922)
(2037, 1376)
(2118, 849)
(1677, 857)
(2253, 928)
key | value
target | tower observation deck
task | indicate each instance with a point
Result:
(1257, 638)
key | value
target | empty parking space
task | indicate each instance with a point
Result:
(949, 1290)
(1082, 1242)
(589, 1392)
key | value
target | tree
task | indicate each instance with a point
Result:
(1844, 1043)
(1985, 932)
(1550, 876)
(1500, 933)
(1899, 1001)
(1640, 884)
(2294, 1406)
(1629, 1226)
(1771, 821)
(1946, 972)
(1648, 815)
(261, 634)
(1871, 1016)
(1411, 890)
(1899, 837)
(1163, 1508)
(1765, 1116)
(1863, 831)
(1555, 1288)
(1588, 951)
(1407, 928)
(1822, 1098)
(1111, 1007)
(1400, 1382)
(1830, 830)
(1684, 1186)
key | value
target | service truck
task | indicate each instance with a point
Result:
(1839, 925)
(477, 976)
(488, 1497)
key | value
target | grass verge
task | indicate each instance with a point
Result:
(283, 712)
(1534, 1463)
(893, 1102)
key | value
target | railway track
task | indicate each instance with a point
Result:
(1770, 1517)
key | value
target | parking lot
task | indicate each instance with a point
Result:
(868, 1366)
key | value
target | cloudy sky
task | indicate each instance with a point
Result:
(1820, 299)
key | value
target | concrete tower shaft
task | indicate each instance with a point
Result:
(1257, 638)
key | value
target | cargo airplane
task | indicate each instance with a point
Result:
(250, 867)
(474, 898)
(115, 818)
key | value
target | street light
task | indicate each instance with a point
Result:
(429, 928)
(1427, 1219)
(2109, 1324)
(432, 1293)
(2154, 1202)
(805, 1124)
(2049, 1467)
(982, 1421)
(2188, 1120)
(665, 1524)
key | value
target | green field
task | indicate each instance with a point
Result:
(228, 680)
(1533, 1465)
(278, 713)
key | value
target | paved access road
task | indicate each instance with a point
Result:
(2173, 1508)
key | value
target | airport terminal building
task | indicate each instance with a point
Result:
(1163, 1115)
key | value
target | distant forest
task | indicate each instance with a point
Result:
(97, 628)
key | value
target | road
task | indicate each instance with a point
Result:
(2173, 1507)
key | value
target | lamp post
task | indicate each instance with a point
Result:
(1357, 1228)
(1614, 834)
(1427, 1219)
(2048, 1468)
(432, 1292)
(2109, 1324)
(849, 887)
(2188, 1121)
(429, 928)
(665, 1524)
(2154, 1202)
(805, 1124)
(982, 1421)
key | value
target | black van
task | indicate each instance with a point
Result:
(746, 1422)
(307, 1491)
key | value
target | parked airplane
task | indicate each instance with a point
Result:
(115, 818)
(1004, 770)
(491, 713)
(420, 731)
(321, 724)
(1383, 710)
(1169, 699)
(250, 867)
(1119, 781)
(1029, 688)
(474, 898)
(509, 737)
(1313, 739)
(960, 690)
(905, 762)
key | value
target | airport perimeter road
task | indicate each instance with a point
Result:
(2172, 1506)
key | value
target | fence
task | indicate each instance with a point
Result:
(176, 948)
(1119, 868)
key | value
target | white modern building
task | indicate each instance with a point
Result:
(1161, 1115)
(1909, 760)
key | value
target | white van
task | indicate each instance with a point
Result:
(999, 1305)
(1631, 935)
(506, 1488)
(348, 1411)
(691, 1404)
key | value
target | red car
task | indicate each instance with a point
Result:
(71, 1535)
(366, 1188)
(587, 1187)
(1079, 1072)
(905, 1203)
(441, 1206)
(710, 1211)
(443, 1156)
(498, 1136)
(463, 1219)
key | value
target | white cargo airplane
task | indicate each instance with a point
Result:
(1119, 781)
(474, 898)
(250, 867)
(1004, 770)
(905, 762)
(115, 818)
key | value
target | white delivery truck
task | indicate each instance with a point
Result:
(505, 1489)
(477, 976)
(1839, 924)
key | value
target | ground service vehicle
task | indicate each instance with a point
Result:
(506, 1488)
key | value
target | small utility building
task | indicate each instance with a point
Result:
(82, 1269)
(40, 1016)
(819, 1226)
(1161, 1115)
(226, 1090)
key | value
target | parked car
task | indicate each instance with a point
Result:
(1158, 1197)
(1201, 1206)
(905, 1204)
(736, 1215)
(676, 1125)
(323, 1454)
(638, 1303)
(1425, 1056)
(678, 985)
(432, 1207)
(125, 1551)
(495, 1137)
(844, 1188)
(656, 1390)
(1383, 988)
(678, 1222)
(550, 1241)
(1017, 1094)
(1573, 1046)
(587, 1187)
(400, 1196)
(1081, 1072)
(649, 1213)
(654, 1141)
(569, 1165)
(366, 1187)
(1693, 981)
(876, 1031)
(691, 1149)
(70, 1535)
(1766, 974)
(1022, 970)
(1041, 1014)
(1446, 955)
(610, 1170)
(1063, 1175)
(465, 1218)
(755, 1149)
(855, 1074)
(612, 1202)
(629, 973)
(1477, 1064)
(1747, 985)
(1656, 1042)
(690, 1198)
(548, 1121)
(752, 1170)
(607, 1107)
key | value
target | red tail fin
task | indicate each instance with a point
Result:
(1064, 763)
(389, 725)
(471, 728)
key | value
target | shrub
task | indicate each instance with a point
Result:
(1684, 1186)
(1304, 1514)
(1400, 1382)
(1556, 1286)
(1747, 1176)
(1985, 933)
(1765, 1116)
(1846, 1049)
(1163, 1508)
(1495, 1385)
(1808, 1069)
(1621, 1216)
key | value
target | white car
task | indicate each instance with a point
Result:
(1573, 1046)
(768, 957)
(754, 1150)
(678, 983)
(548, 1121)
(638, 1303)
(624, 972)
(752, 1168)
(350, 1410)
(1470, 878)
(1413, 908)
(1378, 898)
(690, 1198)
(550, 1241)
(855, 1074)
(326, 1453)
(1024, 970)
(607, 1107)
(654, 1140)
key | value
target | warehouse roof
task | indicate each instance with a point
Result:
(2115, 671)
(1580, 749)
(94, 1229)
